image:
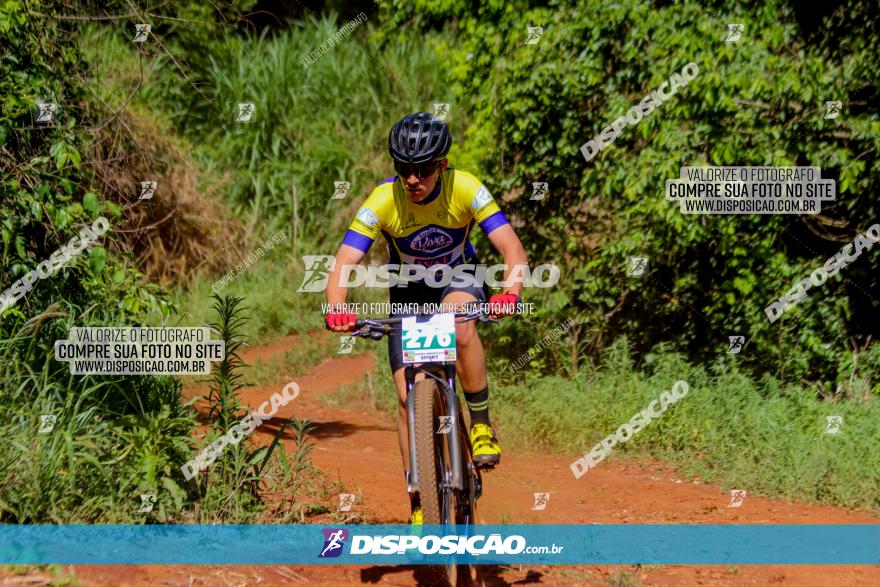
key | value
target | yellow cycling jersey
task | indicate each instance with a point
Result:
(434, 231)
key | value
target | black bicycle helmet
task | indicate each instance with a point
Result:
(419, 138)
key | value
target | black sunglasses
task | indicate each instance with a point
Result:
(422, 170)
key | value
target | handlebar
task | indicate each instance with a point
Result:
(376, 328)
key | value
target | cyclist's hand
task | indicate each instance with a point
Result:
(340, 322)
(503, 305)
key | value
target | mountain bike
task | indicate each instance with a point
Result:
(442, 470)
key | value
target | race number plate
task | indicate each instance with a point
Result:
(429, 340)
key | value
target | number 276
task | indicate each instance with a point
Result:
(413, 339)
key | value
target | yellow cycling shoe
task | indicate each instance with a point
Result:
(416, 520)
(487, 452)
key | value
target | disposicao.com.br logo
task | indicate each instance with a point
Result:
(398, 544)
(334, 540)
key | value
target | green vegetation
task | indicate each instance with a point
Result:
(519, 114)
(726, 425)
(760, 101)
(54, 575)
(114, 437)
(729, 429)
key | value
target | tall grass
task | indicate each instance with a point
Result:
(117, 438)
(730, 429)
(313, 126)
(231, 489)
(114, 438)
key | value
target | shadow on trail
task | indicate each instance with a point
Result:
(322, 430)
(338, 429)
(486, 575)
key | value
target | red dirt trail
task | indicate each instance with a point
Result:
(358, 446)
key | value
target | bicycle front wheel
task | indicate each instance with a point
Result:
(434, 463)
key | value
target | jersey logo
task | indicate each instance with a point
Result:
(431, 240)
(368, 217)
(481, 199)
(410, 222)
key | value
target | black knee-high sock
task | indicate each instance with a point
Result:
(478, 405)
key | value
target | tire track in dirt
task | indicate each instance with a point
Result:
(358, 446)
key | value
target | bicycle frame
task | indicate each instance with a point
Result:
(444, 374)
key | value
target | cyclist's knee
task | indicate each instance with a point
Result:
(466, 333)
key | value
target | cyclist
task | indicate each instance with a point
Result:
(426, 213)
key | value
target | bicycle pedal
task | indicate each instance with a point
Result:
(476, 480)
(487, 464)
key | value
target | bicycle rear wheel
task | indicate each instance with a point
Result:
(438, 500)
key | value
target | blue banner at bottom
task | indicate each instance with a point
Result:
(594, 544)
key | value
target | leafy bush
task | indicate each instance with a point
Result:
(312, 126)
(115, 438)
(756, 102)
